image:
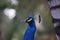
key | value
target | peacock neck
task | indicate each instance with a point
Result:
(30, 32)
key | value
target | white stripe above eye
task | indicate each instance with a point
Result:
(29, 20)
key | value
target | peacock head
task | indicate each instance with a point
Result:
(29, 19)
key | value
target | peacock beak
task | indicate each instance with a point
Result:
(23, 20)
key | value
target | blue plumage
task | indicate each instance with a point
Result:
(29, 34)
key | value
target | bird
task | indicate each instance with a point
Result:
(31, 29)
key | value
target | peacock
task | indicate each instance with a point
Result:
(30, 31)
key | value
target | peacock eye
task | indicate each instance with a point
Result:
(29, 19)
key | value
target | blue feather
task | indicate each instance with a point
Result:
(30, 32)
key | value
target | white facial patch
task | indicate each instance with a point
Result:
(29, 20)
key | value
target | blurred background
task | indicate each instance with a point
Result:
(13, 12)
